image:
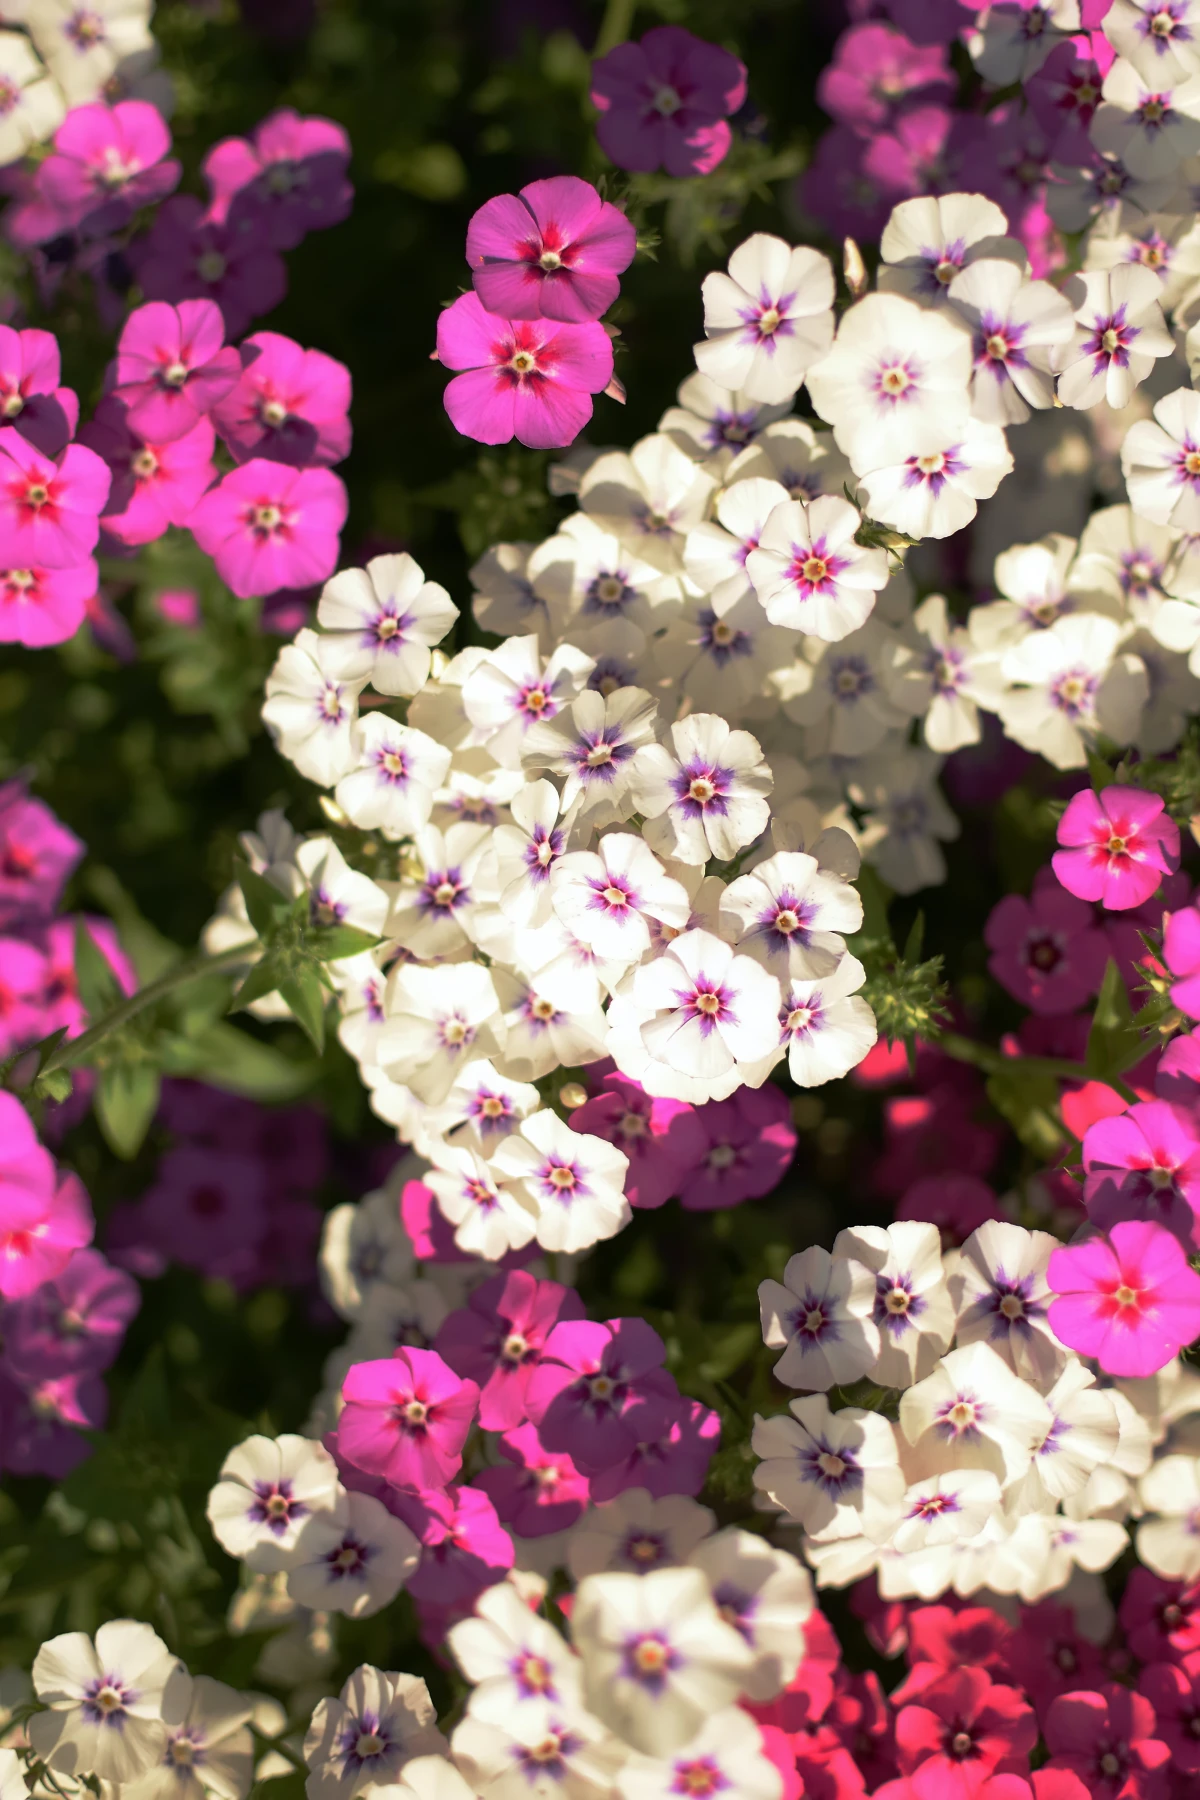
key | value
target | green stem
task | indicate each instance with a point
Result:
(265, 1742)
(195, 968)
(615, 26)
(994, 1062)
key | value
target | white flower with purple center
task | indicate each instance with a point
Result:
(716, 552)
(658, 1659)
(311, 707)
(1013, 41)
(789, 913)
(514, 1658)
(338, 894)
(572, 1182)
(702, 792)
(1161, 38)
(804, 462)
(841, 691)
(1070, 684)
(384, 620)
(438, 1021)
(769, 319)
(725, 1757)
(31, 103)
(504, 600)
(1131, 567)
(945, 1509)
(973, 1413)
(1033, 580)
(512, 690)
(1001, 1297)
(436, 915)
(1152, 125)
(933, 489)
(1119, 332)
(606, 897)
(106, 1701)
(268, 1490)
(552, 1019)
(821, 1317)
(360, 982)
(526, 852)
(210, 1751)
(906, 817)
(912, 1308)
(943, 678)
(398, 771)
(1017, 328)
(834, 1473)
(489, 1220)
(707, 1011)
(364, 1738)
(592, 744)
(541, 1752)
(1160, 460)
(928, 241)
(721, 658)
(1169, 1541)
(490, 1103)
(1166, 243)
(825, 1026)
(587, 576)
(365, 1245)
(766, 1595)
(810, 574)
(637, 1533)
(354, 1560)
(1084, 1436)
(712, 423)
(650, 498)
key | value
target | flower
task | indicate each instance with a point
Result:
(513, 688)
(766, 1595)
(928, 241)
(437, 1021)
(636, 1532)
(364, 1738)
(664, 100)
(49, 507)
(173, 367)
(267, 526)
(912, 1309)
(1181, 953)
(743, 1148)
(1160, 460)
(1157, 38)
(592, 743)
(45, 606)
(574, 1183)
(31, 400)
(1018, 327)
(553, 251)
(398, 771)
(184, 256)
(768, 320)
(810, 574)
(464, 1547)
(531, 379)
(821, 1317)
(931, 488)
(489, 1220)
(497, 1340)
(703, 793)
(1171, 1690)
(106, 1701)
(1144, 1163)
(662, 1139)
(74, 1322)
(1117, 846)
(612, 897)
(837, 1474)
(153, 485)
(1106, 1738)
(825, 1025)
(1119, 331)
(1046, 951)
(597, 1388)
(727, 1751)
(999, 1290)
(974, 1413)
(210, 1751)
(406, 1417)
(311, 707)
(106, 163)
(1076, 681)
(387, 617)
(515, 1659)
(542, 1751)
(286, 404)
(43, 1219)
(1151, 125)
(83, 48)
(1127, 1297)
(649, 498)
(268, 1490)
(535, 1491)
(287, 180)
(1167, 1541)
(353, 1559)
(33, 104)
(967, 1726)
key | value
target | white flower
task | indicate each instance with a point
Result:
(1013, 42)
(1160, 460)
(726, 1756)
(526, 851)
(928, 241)
(712, 423)
(1152, 126)
(715, 553)
(636, 1533)
(1017, 326)
(825, 1025)
(268, 1490)
(705, 1011)
(788, 914)
(510, 691)
(769, 319)
(704, 792)
(541, 1752)
(592, 743)
(906, 817)
(606, 897)
(516, 1660)
(912, 1306)
(1001, 1296)
(1161, 40)
(360, 981)
(438, 1021)
(312, 706)
(658, 1659)
(438, 915)
(721, 658)
(894, 368)
(410, 1314)
(398, 771)
(352, 1561)
(586, 576)
(766, 1595)
(1083, 1436)
(650, 498)
(840, 691)
(1174, 692)
(552, 1019)
(364, 1738)
(940, 673)
(1033, 579)
(1119, 331)
(804, 462)
(834, 1473)
(210, 1751)
(945, 1509)
(431, 1778)
(1076, 682)
(974, 1413)
(384, 619)
(1127, 566)
(1169, 1543)
(504, 601)
(82, 61)
(489, 1220)
(809, 573)
(33, 104)
(932, 487)
(363, 1245)
(573, 1182)
(1168, 243)
(490, 1103)
(107, 1701)
(820, 1316)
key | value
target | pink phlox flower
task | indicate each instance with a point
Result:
(1127, 1297)
(497, 1340)
(22, 990)
(184, 257)
(173, 366)
(1064, 94)
(49, 507)
(464, 1547)
(861, 1714)
(60, 991)
(1046, 951)
(836, 190)
(1107, 1738)
(1177, 1078)
(31, 399)
(531, 379)
(1181, 953)
(662, 1138)
(73, 1323)
(1160, 1619)
(108, 161)
(948, 1636)
(967, 1726)
(1118, 845)
(664, 101)
(1048, 1655)
(534, 1491)
(678, 1439)
(407, 1417)
(154, 485)
(1173, 1690)
(1144, 1164)
(553, 251)
(594, 1388)
(1126, 932)
(41, 1423)
(748, 1145)
(37, 853)
(45, 606)
(289, 179)
(289, 404)
(956, 1204)
(268, 526)
(924, 21)
(43, 1218)
(876, 69)
(431, 1232)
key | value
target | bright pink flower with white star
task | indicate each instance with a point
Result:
(1127, 1297)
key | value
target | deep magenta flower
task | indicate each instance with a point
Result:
(597, 1388)
(31, 399)
(1046, 950)
(154, 484)
(106, 162)
(186, 257)
(464, 1547)
(37, 853)
(1181, 953)
(1173, 1690)
(677, 1440)
(1107, 1738)
(497, 1340)
(72, 1323)
(748, 1144)
(663, 102)
(45, 606)
(173, 366)
(289, 404)
(205, 1208)
(535, 1491)
(661, 1138)
(874, 70)
(43, 1219)
(553, 251)
(288, 179)
(267, 526)
(967, 1727)
(1144, 1164)
(49, 508)
(40, 1423)
(1160, 1619)
(531, 379)
(1177, 1077)
(1127, 1297)
(22, 980)
(1118, 845)
(406, 1417)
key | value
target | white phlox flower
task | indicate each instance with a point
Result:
(108, 1702)
(586, 576)
(941, 677)
(210, 1751)
(438, 1021)
(945, 1509)
(809, 573)
(721, 659)
(511, 690)
(712, 423)
(1162, 41)
(928, 241)
(552, 1019)
(650, 498)
(489, 1220)
(34, 107)
(1083, 1436)
(1014, 41)
(537, 1753)
(768, 320)
(932, 487)
(268, 1490)
(1119, 332)
(912, 1306)
(1160, 460)
(1069, 684)
(591, 744)
(973, 1413)
(726, 1756)
(607, 897)
(1169, 1540)
(841, 691)
(821, 1316)
(364, 1738)
(766, 1595)
(907, 818)
(516, 1661)
(504, 600)
(353, 1560)
(83, 62)
(637, 1533)
(715, 555)
(311, 707)
(1032, 578)
(439, 914)
(397, 773)
(383, 621)
(1153, 126)
(789, 915)
(1017, 328)
(1001, 1297)
(572, 1182)
(805, 463)
(364, 1244)
(702, 791)
(837, 1474)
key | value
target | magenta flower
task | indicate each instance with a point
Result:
(595, 1389)
(464, 1547)
(535, 1491)
(967, 1727)
(22, 980)
(267, 526)
(154, 485)
(531, 379)
(1181, 953)
(874, 70)
(661, 1138)
(553, 251)
(37, 854)
(1127, 1297)
(173, 366)
(31, 400)
(498, 1337)
(1118, 845)
(72, 1323)
(663, 102)
(288, 180)
(1107, 1739)
(186, 257)
(40, 1424)
(748, 1144)
(406, 1417)
(206, 1208)
(49, 508)
(289, 404)
(1046, 950)
(1173, 1690)
(1177, 1077)
(1144, 1164)
(45, 606)
(42, 1219)
(671, 1455)
(107, 161)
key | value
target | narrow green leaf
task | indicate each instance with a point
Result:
(262, 980)
(330, 942)
(1112, 1004)
(1100, 773)
(915, 940)
(264, 903)
(306, 997)
(99, 988)
(126, 1101)
(1028, 1099)
(240, 1064)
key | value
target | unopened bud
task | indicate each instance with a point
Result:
(854, 270)
(332, 810)
(572, 1094)
(616, 391)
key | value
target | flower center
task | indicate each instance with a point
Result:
(523, 362)
(722, 633)
(416, 1412)
(174, 375)
(997, 346)
(13, 404)
(814, 569)
(367, 1743)
(667, 102)
(708, 1004)
(701, 789)
(36, 494)
(1126, 1297)
(895, 380)
(108, 1699)
(514, 1347)
(211, 266)
(598, 756)
(650, 1656)
(1109, 1764)
(542, 1009)
(961, 1744)
(267, 518)
(144, 463)
(769, 321)
(897, 1301)
(831, 1464)
(549, 260)
(562, 1177)
(273, 414)
(1110, 341)
(615, 896)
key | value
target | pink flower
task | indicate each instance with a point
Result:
(267, 526)
(1046, 950)
(747, 1146)
(661, 1138)
(31, 400)
(173, 366)
(288, 180)
(49, 509)
(107, 161)
(531, 379)
(185, 257)
(1128, 1297)
(1181, 953)
(1177, 1077)
(60, 992)
(1118, 846)
(1173, 1690)
(498, 1338)
(1144, 1164)
(967, 1726)
(595, 1389)
(1160, 1619)
(22, 979)
(41, 1223)
(678, 1438)
(464, 1547)
(663, 102)
(534, 1491)
(1048, 1654)
(37, 853)
(45, 606)
(553, 251)
(289, 404)
(154, 485)
(874, 70)
(1107, 1739)
(40, 1423)
(72, 1323)
(956, 1204)
(406, 1416)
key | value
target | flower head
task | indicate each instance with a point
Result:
(664, 100)
(1117, 846)
(1126, 1297)
(531, 379)
(553, 251)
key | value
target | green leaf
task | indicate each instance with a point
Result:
(306, 997)
(264, 903)
(330, 942)
(1114, 1040)
(915, 940)
(262, 980)
(1100, 773)
(54, 1086)
(1028, 1099)
(126, 1101)
(99, 988)
(240, 1064)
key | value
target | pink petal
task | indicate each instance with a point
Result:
(1082, 819)
(550, 418)
(482, 406)
(468, 337)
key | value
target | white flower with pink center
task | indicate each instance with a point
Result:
(398, 771)
(384, 621)
(973, 1413)
(1160, 460)
(835, 1473)
(512, 690)
(573, 1183)
(820, 1316)
(637, 1532)
(716, 552)
(706, 1012)
(721, 659)
(703, 791)
(488, 1220)
(650, 498)
(803, 461)
(943, 678)
(311, 707)
(912, 1304)
(946, 1509)
(1013, 42)
(516, 1660)
(934, 486)
(338, 894)
(437, 914)
(586, 576)
(768, 320)
(592, 744)
(354, 1560)
(1119, 332)
(607, 897)
(810, 574)
(789, 914)
(1152, 124)
(438, 1020)
(1069, 685)
(526, 852)
(1018, 326)
(825, 1025)
(929, 241)
(713, 423)
(1160, 37)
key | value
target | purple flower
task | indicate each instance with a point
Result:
(664, 101)
(406, 1417)
(677, 1442)
(661, 1138)
(31, 400)
(553, 251)
(185, 256)
(107, 161)
(535, 1491)
(531, 379)
(289, 179)
(40, 1423)
(594, 1388)
(71, 1324)
(464, 1547)
(749, 1145)
(205, 1208)
(289, 405)
(498, 1339)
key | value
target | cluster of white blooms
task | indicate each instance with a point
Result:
(999, 1462)
(57, 54)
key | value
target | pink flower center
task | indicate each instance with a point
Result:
(14, 404)
(174, 375)
(273, 413)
